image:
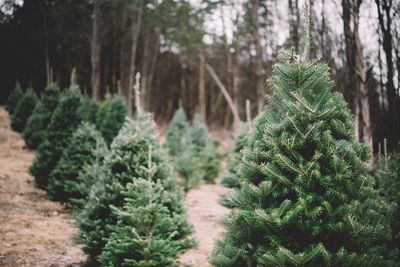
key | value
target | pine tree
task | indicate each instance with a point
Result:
(111, 117)
(198, 133)
(177, 131)
(12, 101)
(85, 143)
(37, 123)
(151, 229)
(126, 162)
(23, 111)
(63, 123)
(231, 178)
(88, 110)
(306, 198)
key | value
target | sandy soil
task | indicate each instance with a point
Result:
(33, 230)
(205, 213)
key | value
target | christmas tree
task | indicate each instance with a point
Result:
(15, 95)
(151, 227)
(231, 178)
(177, 131)
(85, 143)
(111, 117)
(37, 123)
(126, 162)
(23, 111)
(88, 110)
(63, 123)
(306, 198)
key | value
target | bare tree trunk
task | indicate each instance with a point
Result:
(294, 23)
(136, 25)
(95, 51)
(202, 88)
(259, 70)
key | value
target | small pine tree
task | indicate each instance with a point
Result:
(151, 229)
(23, 111)
(177, 131)
(127, 161)
(63, 123)
(81, 150)
(37, 123)
(88, 110)
(306, 198)
(231, 178)
(111, 117)
(15, 95)
(198, 133)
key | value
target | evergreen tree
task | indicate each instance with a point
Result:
(63, 123)
(85, 143)
(88, 110)
(231, 178)
(388, 178)
(176, 134)
(306, 198)
(126, 162)
(23, 111)
(37, 123)
(111, 117)
(12, 101)
(151, 229)
(198, 133)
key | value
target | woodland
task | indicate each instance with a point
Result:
(199, 133)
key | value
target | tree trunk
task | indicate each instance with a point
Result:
(136, 25)
(95, 51)
(202, 88)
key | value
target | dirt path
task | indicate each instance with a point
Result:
(33, 230)
(204, 213)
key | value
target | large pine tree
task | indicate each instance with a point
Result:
(37, 123)
(306, 197)
(63, 123)
(127, 161)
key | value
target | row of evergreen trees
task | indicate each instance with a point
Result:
(194, 154)
(302, 192)
(112, 170)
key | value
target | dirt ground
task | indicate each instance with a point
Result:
(35, 231)
(204, 213)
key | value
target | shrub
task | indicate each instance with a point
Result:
(37, 123)
(63, 123)
(23, 111)
(132, 150)
(82, 150)
(306, 198)
(12, 101)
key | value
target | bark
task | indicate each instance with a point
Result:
(202, 88)
(136, 25)
(95, 51)
(258, 58)
(294, 21)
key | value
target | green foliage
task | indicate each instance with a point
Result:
(176, 132)
(37, 123)
(12, 101)
(110, 117)
(306, 198)
(151, 230)
(83, 148)
(23, 111)
(388, 179)
(88, 110)
(231, 178)
(63, 123)
(127, 161)
(194, 154)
